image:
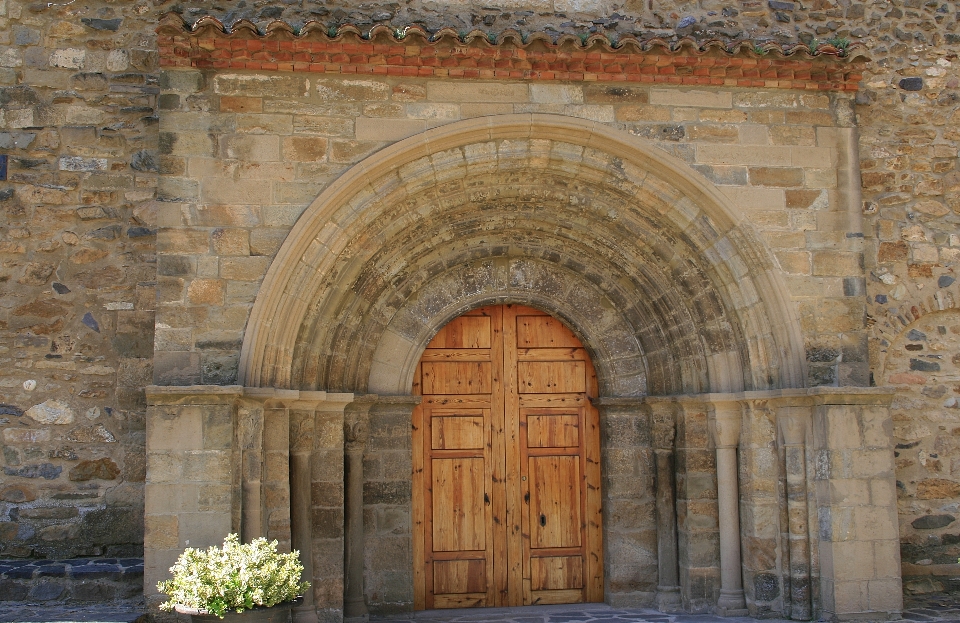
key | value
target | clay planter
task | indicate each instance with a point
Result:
(279, 613)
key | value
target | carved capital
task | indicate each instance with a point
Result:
(723, 419)
(663, 420)
(355, 433)
(792, 422)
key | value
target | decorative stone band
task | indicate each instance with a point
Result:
(413, 52)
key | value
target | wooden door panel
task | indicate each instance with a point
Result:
(553, 431)
(459, 576)
(542, 331)
(464, 332)
(555, 518)
(551, 377)
(457, 432)
(569, 596)
(459, 515)
(506, 465)
(556, 572)
(457, 377)
(467, 600)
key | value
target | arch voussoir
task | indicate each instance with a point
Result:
(649, 263)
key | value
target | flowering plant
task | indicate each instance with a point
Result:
(234, 577)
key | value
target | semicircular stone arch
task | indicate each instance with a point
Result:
(669, 289)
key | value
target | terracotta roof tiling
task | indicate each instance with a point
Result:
(172, 24)
(446, 53)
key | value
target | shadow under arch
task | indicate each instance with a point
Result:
(693, 285)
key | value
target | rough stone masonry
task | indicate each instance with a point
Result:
(143, 207)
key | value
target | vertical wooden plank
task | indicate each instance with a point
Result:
(496, 447)
(419, 563)
(517, 563)
(593, 516)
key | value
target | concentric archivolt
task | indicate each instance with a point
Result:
(644, 259)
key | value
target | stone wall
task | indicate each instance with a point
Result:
(78, 120)
(77, 275)
(242, 155)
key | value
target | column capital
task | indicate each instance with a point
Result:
(723, 420)
(792, 422)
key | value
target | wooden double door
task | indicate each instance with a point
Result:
(506, 465)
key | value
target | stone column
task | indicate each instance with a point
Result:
(663, 419)
(793, 423)
(301, 446)
(355, 433)
(724, 423)
(250, 450)
(274, 490)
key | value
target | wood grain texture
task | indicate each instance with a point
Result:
(507, 479)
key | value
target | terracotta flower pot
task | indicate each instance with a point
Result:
(279, 613)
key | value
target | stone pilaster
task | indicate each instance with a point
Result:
(321, 413)
(855, 492)
(192, 474)
(794, 422)
(356, 431)
(698, 540)
(663, 421)
(387, 529)
(629, 536)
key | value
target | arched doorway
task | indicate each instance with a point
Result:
(669, 287)
(506, 464)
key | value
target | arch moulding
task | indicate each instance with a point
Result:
(757, 329)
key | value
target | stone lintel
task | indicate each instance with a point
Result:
(192, 394)
(788, 397)
(225, 394)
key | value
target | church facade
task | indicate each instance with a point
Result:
(652, 305)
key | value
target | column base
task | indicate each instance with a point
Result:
(731, 604)
(305, 614)
(355, 610)
(668, 599)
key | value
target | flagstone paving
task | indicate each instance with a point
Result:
(929, 608)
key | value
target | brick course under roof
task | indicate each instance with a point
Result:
(446, 54)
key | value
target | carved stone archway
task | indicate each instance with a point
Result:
(353, 292)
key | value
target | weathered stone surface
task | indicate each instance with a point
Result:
(46, 470)
(17, 494)
(36, 273)
(937, 488)
(52, 412)
(91, 434)
(101, 469)
(932, 522)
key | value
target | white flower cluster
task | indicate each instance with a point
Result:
(235, 577)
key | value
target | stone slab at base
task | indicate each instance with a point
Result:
(669, 600)
(730, 612)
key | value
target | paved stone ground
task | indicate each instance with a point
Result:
(930, 608)
(935, 608)
(132, 611)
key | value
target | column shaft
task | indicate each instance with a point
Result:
(725, 429)
(300, 504)
(668, 584)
